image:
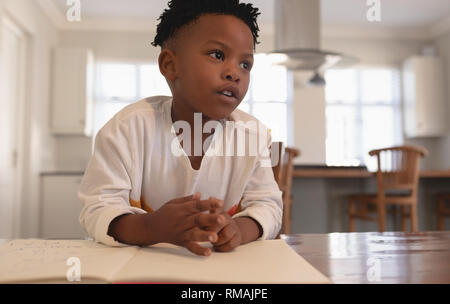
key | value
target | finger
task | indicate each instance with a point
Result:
(197, 249)
(225, 235)
(203, 205)
(180, 200)
(217, 210)
(199, 235)
(202, 220)
(225, 221)
(234, 242)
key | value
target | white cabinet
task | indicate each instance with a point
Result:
(424, 101)
(71, 106)
(60, 207)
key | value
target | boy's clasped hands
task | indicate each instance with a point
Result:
(183, 222)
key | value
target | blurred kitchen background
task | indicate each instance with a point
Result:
(65, 72)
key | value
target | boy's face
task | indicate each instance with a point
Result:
(213, 54)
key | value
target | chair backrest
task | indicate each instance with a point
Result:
(277, 147)
(398, 168)
(287, 168)
(283, 173)
(283, 169)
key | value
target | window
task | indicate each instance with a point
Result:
(268, 97)
(362, 113)
(120, 84)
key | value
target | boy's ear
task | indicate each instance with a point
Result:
(167, 64)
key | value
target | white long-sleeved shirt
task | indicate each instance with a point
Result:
(138, 164)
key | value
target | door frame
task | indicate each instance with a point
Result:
(21, 123)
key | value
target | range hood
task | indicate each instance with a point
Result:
(297, 39)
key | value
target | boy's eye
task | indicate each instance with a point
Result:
(220, 56)
(217, 55)
(246, 65)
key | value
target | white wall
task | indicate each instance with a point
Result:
(443, 45)
(113, 45)
(392, 52)
(309, 120)
(38, 152)
(72, 153)
(309, 130)
(308, 112)
(308, 104)
(374, 51)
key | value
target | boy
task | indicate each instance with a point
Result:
(144, 185)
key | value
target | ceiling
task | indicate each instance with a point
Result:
(143, 8)
(394, 13)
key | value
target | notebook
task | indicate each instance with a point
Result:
(65, 261)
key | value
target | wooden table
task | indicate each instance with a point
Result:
(372, 257)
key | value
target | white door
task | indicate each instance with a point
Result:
(11, 69)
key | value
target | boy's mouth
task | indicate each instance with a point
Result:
(227, 97)
(230, 91)
(227, 93)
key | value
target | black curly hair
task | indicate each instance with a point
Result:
(183, 12)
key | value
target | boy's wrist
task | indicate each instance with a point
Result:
(250, 229)
(132, 229)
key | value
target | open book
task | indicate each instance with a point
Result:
(44, 261)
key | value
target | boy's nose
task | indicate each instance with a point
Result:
(231, 76)
(230, 72)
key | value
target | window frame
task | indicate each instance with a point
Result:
(360, 105)
(288, 103)
(100, 98)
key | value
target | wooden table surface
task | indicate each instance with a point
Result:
(389, 257)
(373, 257)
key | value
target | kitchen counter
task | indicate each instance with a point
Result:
(358, 172)
(321, 198)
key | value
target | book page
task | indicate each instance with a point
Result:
(32, 260)
(259, 262)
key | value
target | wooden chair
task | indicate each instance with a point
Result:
(283, 173)
(278, 147)
(398, 170)
(442, 210)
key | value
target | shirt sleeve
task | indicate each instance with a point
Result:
(105, 188)
(262, 198)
